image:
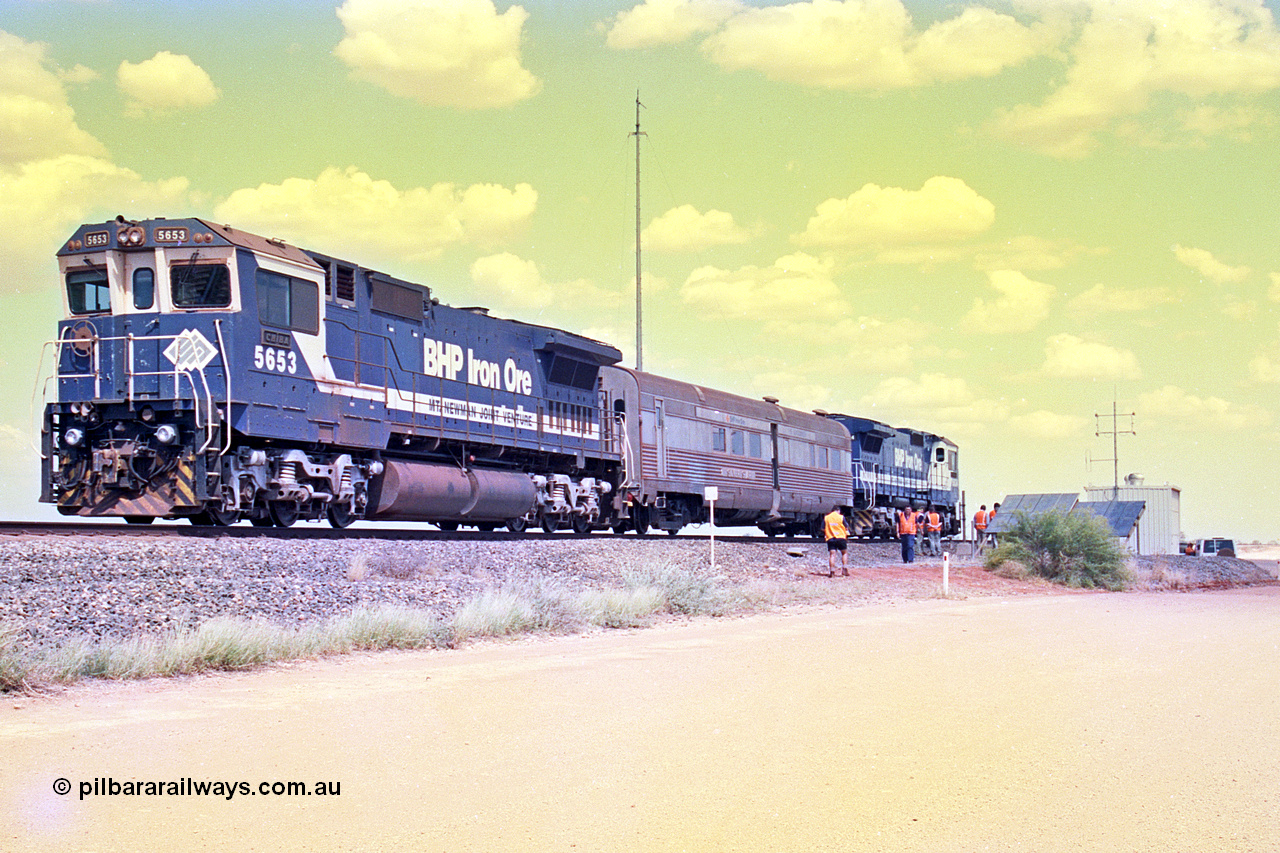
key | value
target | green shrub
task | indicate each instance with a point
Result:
(1076, 549)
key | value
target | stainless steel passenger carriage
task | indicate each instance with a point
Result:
(776, 468)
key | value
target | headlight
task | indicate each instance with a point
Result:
(166, 434)
(73, 437)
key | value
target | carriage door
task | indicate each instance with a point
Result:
(660, 439)
(773, 441)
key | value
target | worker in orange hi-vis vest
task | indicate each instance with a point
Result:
(836, 533)
(933, 531)
(980, 527)
(907, 533)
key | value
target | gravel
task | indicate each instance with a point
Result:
(54, 589)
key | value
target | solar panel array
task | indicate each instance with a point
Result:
(1031, 505)
(1121, 515)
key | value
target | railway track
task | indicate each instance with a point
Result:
(178, 529)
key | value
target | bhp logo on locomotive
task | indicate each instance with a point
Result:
(906, 459)
(445, 361)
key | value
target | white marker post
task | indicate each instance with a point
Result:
(946, 574)
(711, 493)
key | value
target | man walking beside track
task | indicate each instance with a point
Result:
(907, 533)
(933, 531)
(979, 528)
(836, 533)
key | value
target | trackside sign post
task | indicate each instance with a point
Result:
(712, 494)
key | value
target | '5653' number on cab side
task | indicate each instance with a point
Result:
(275, 360)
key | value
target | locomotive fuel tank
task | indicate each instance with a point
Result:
(420, 491)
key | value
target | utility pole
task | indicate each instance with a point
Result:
(1115, 432)
(639, 301)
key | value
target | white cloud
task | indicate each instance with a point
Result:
(451, 53)
(871, 44)
(1029, 253)
(36, 121)
(1049, 426)
(165, 82)
(1101, 299)
(517, 285)
(1127, 52)
(684, 229)
(43, 200)
(1210, 267)
(349, 211)
(935, 401)
(1021, 306)
(1172, 405)
(1069, 357)
(658, 22)
(793, 285)
(943, 210)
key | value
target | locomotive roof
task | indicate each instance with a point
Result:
(867, 425)
(176, 234)
(733, 403)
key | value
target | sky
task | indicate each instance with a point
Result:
(988, 220)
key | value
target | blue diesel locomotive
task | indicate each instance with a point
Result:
(895, 467)
(213, 374)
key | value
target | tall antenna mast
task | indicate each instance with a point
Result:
(1115, 432)
(639, 301)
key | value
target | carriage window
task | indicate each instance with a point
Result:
(87, 291)
(735, 439)
(144, 288)
(288, 303)
(753, 444)
(200, 285)
(717, 439)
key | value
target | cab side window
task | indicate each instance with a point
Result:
(288, 303)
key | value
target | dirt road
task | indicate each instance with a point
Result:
(1128, 722)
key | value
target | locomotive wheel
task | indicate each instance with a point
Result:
(581, 525)
(283, 513)
(640, 519)
(518, 525)
(340, 515)
(447, 526)
(139, 519)
(260, 518)
(549, 524)
(214, 518)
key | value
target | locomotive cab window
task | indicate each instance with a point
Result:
(88, 292)
(200, 285)
(288, 303)
(144, 288)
